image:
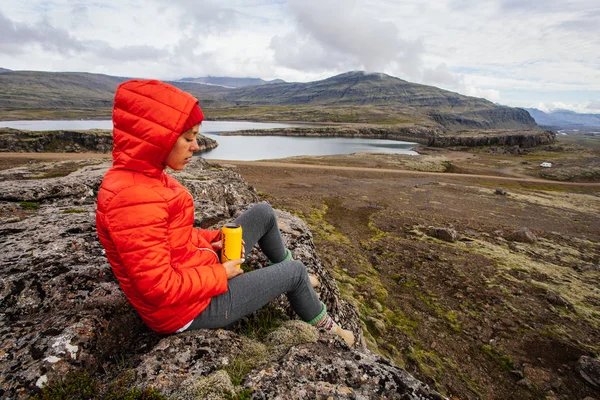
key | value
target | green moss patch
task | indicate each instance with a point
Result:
(73, 211)
(30, 205)
(254, 354)
(261, 323)
(496, 355)
(79, 385)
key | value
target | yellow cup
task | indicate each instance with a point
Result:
(232, 242)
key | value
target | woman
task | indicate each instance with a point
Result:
(169, 270)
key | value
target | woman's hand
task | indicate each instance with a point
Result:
(217, 246)
(232, 269)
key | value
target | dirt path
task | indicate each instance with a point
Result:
(8, 159)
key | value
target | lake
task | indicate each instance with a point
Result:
(247, 148)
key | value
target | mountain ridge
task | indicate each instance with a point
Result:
(342, 87)
(350, 97)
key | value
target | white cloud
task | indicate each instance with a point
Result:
(301, 53)
(490, 94)
(592, 107)
(339, 28)
(441, 75)
(15, 36)
(487, 49)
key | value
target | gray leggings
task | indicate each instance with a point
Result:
(251, 291)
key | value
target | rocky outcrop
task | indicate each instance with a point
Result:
(434, 137)
(417, 134)
(93, 140)
(523, 139)
(62, 309)
(485, 118)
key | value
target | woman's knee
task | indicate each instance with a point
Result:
(266, 214)
(298, 269)
(264, 209)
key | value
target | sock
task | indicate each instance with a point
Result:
(326, 322)
(323, 320)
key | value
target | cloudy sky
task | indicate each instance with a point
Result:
(527, 53)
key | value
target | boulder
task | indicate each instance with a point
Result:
(589, 369)
(446, 234)
(557, 300)
(523, 235)
(63, 310)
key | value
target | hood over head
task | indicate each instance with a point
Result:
(148, 117)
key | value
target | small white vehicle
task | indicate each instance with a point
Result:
(546, 165)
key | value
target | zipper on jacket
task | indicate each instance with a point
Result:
(211, 250)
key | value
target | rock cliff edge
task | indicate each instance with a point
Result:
(62, 309)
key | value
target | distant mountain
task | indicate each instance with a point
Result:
(349, 97)
(4, 70)
(36, 90)
(230, 82)
(449, 109)
(48, 90)
(354, 88)
(565, 118)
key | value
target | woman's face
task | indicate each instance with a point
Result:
(184, 149)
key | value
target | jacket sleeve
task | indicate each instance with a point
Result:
(210, 235)
(138, 222)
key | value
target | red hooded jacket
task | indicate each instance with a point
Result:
(166, 267)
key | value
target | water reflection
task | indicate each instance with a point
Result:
(252, 148)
